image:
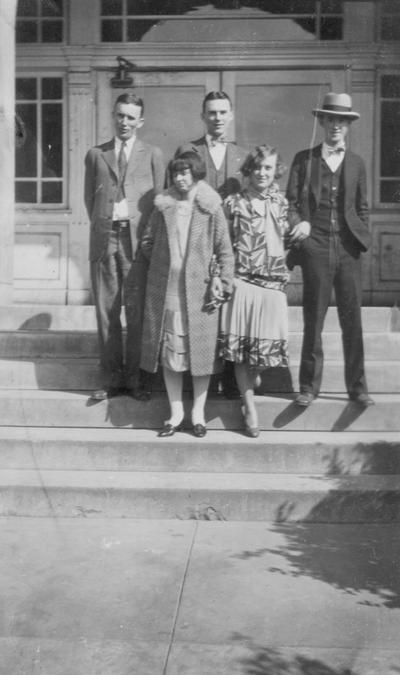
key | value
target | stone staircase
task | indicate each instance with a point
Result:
(62, 455)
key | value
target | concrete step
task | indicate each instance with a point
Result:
(74, 409)
(75, 374)
(202, 496)
(77, 344)
(277, 452)
(78, 317)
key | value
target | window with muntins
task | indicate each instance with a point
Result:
(389, 20)
(220, 20)
(40, 21)
(39, 141)
(389, 185)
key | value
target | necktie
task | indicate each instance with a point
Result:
(335, 151)
(218, 141)
(122, 164)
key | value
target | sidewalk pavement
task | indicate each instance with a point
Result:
(95, 596)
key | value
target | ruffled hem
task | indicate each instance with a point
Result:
(258, 353)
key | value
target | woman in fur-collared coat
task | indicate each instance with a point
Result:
(186, 236)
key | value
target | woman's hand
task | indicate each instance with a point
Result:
(216, 294)
(299, 232)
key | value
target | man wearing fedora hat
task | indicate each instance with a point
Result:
(329, 211)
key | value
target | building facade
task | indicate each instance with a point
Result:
(275, 58)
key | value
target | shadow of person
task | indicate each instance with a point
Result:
(292, 412)
(349, 414)
(40, 321)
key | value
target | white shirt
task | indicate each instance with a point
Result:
(120, 210)
(333, 156)
(217, 150)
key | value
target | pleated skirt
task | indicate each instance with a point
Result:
(254, 326)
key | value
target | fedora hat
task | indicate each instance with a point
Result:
(336, 104)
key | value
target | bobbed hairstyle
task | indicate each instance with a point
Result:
(129, 97)
(188, 160)
(216, 96)
(256, 157)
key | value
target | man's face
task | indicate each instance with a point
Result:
(127, 119)
(217, 116)
(335, 128)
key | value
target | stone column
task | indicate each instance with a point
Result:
(7, 143)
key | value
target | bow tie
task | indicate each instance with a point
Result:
(335, 151)
(218, 141)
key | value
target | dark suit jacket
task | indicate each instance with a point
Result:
(235, 156)
(144, 179)
(303, 192)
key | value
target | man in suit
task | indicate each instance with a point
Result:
(328, 206)
(122, 177)
(223, 160)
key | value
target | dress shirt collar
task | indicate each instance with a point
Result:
(329, 150)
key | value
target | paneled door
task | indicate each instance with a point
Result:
(172, 103)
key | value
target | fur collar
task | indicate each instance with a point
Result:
(206, 199)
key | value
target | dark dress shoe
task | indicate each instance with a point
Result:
(144, 389)
(104, 394)
(169, 429)
(362, 399)
(199, 430)
(304, 399)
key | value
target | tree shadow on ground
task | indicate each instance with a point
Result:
(268, 661)
(349, 539)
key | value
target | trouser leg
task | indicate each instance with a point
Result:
(349, 299)
(317, 287)
(107, 284)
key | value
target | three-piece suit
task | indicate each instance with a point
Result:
(335, 204)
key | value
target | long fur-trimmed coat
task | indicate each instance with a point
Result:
(208, 235)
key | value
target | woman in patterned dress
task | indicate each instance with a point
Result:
(254, 323)
(185, 232)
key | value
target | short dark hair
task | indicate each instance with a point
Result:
(255, 158)
(188, 160)
(129, 97)
(215, 96)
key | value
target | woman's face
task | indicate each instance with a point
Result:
(263, 174)
(183, 180)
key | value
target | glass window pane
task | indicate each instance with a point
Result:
(52, 31)
(111, 7)
(27, 8)
(154, 7)
(25, 193)
(52, 7)
(52, 139)
(390, 6)
(390, 138)
(331, 28)
(390, 192)
(390, 86)
(52, 87)
(26, 152)
(26, 88)
(331, 6)
(52, 192)
(390, 28)
(111, 31)
(138, 28)
(26, 31)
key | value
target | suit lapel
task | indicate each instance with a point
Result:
(135, 156)
(315, 172)
(110, 158)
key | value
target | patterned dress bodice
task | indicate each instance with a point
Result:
(258, 227)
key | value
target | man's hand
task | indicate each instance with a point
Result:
(300, 232)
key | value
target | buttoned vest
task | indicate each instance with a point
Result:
(329, 215)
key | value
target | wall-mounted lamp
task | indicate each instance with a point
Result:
(122, 79)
